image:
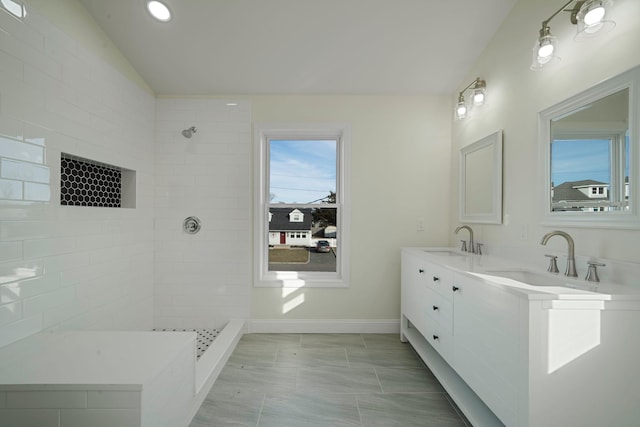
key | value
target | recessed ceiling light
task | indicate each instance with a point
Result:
(159, 11)
(16, 8)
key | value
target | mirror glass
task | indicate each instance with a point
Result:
(481, 180)
(589, 156)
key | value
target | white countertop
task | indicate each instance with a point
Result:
(488, 268)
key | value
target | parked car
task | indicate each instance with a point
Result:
(323, 246)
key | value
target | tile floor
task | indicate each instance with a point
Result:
(297, 380)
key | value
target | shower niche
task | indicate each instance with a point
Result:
(85, 182)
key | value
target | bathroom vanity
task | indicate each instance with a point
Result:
(520, 347)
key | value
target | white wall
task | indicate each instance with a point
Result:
(515, 94)
(203, 279)
(399, 172)
(70, 267)
(399, 176)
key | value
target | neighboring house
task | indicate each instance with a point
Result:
(586, 195)
(289, 226)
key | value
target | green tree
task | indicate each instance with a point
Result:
(324, 217)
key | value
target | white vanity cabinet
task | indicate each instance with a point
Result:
(487, 340)
(427, 300)
(514, 354)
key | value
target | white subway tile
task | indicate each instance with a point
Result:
(40, 303)
(100, 418)
(30, 418)
(37, 135)
(11, 127)
(46, 247)
(9, 292)
(10, 65)
(23, 328)
(55, 264)
(11, 312)
(46, 399)
(20, 32)
(12, 271)
(10, 251)
(37, 192)
(66, 312)
(20, 100)
(59, 96)
(24, 171)
(114, 399)
(15, 149)
(38, 285)
(10, 190)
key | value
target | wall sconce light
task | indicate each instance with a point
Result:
(478, 95)
(588, 15)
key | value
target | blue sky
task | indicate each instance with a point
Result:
(574, 160)
(301, 171)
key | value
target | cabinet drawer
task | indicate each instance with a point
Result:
(440, 340)
(440, 279)
(429, 275)
(440, 310)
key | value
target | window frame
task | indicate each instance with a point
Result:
(263, 132)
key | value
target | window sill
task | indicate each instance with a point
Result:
(296, 279)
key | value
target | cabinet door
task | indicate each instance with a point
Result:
(486, 340)
(413, 291)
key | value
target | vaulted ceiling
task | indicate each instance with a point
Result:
(386, 47)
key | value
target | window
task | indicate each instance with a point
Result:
(302, 198)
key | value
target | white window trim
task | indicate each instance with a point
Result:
(294, 279)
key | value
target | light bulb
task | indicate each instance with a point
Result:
(461, 110)
(594, 16)
(591, 19)
(545, 52)
(478, 97)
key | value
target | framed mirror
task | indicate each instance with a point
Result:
(590, 152)
(481, 180)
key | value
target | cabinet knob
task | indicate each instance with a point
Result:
(436, 338)
(436, 278)
(455, 288)
(435, 308)
(421, 271)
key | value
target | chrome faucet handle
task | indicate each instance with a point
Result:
(463, 246)
(553, 263)
(592, 272)
(479, 248)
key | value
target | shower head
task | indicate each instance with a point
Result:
(188, 133)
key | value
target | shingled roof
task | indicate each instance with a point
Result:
(280, 220)
(569, 190)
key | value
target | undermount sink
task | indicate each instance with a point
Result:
(530, 277)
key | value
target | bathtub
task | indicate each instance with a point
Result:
(118, 378)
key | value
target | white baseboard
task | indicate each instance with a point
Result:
(311, 326)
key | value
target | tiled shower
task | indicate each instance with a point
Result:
(110, 268)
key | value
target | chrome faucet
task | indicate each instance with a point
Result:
(471, 244)
(571, 260)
